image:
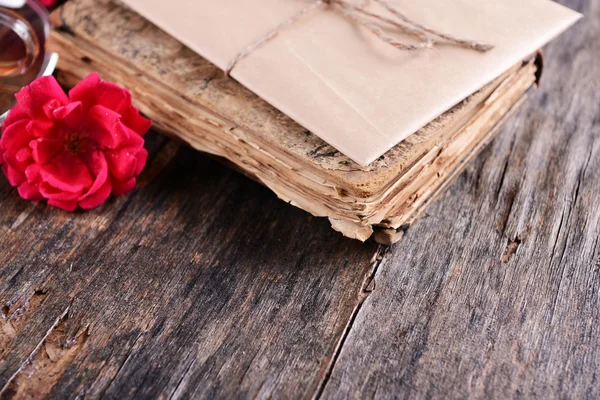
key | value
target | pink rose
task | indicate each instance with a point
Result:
(73, 150)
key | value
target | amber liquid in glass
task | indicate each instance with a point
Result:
(22, 36)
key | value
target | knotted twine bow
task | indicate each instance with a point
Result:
(427, 37)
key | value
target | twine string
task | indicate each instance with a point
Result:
(426, 37)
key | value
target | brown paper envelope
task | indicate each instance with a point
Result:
(344, 84)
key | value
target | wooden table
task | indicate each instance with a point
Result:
(203, 283)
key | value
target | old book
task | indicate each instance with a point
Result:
(190, 98)
(329, 69)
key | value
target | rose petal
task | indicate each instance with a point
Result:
(45, 150)
(49, 108)
(105, 128)
(120, 188)
(140, 159)
(97, 198)
(134, 121)
(94, 91)
(14, 176)
(15, 136)
(43, 129)
(10, 158)
(72, 114)
(68, 173)
(30, 191)
(15, 114)
(134, 141)
(86, 91)
(114, 97)
(34, 97)
(50, 192)
(32, 172)
(122, 164)
(69, 206)
(23, 155)
(96, 162)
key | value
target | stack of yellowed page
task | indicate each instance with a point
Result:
(327, 117)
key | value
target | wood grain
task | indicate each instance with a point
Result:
(495, 293)
(203, 284)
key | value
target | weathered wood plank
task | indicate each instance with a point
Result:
(202, 282)
(495, 293)
(35, 242)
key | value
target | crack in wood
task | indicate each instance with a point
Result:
(180, 385)
(503, 222)
(565, 222)
(560, 224)
(367, 288)
(596, 259)
(127, 358)
(510, 249)
(571, 203)
(369, 283)
(505, 168)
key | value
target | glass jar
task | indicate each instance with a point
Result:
(24, 29)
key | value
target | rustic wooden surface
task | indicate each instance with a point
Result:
(201, 283)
